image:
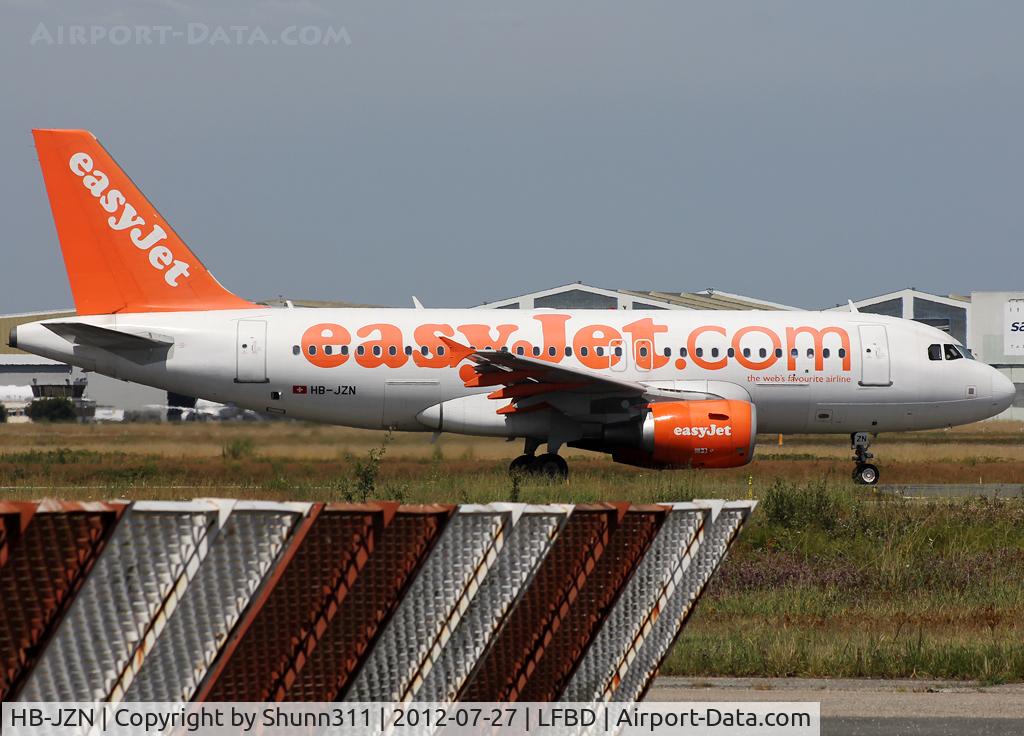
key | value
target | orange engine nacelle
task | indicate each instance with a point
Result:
(695, 434)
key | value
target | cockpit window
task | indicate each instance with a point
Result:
(935, 352)
(952, 352)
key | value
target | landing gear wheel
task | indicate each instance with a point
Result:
(866, 474)
(522, 465)
(551, 466)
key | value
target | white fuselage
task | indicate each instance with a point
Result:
(820, 372)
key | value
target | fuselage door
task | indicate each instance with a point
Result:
(403, 400)
(618, 355)
(874, 356)
(251, 353)
(643, 358)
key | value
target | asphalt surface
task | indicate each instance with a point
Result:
(872, 707)
(955, 490)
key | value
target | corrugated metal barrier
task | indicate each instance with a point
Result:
(248, 601)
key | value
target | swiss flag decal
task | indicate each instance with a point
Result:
(300, 389)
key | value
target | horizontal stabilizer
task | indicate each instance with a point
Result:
(108, 339)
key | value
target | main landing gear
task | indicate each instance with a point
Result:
(864, 473)
(550, 465)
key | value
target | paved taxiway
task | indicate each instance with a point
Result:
(955, 490)
(872, 707)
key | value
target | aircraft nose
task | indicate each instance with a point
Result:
(1003, 390)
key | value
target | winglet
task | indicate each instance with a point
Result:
(417, 303)
(459, 351)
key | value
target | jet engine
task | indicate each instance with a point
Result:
(717, 433)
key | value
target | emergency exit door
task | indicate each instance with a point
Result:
(874, 356)
(251, 353)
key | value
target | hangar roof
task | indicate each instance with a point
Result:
(576, 294)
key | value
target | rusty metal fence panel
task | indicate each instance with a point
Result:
(288, 616)
(438, 597)
(503, 670)
(402, 548)
(14, 518)
(48, 562)
(717, 535)
(643, 598)
(627, 546)
(136, 581)
(533, 531)
(250, 601)
(244, 549)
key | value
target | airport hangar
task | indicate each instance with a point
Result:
(989, 323)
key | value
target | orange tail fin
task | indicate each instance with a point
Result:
(121, 255)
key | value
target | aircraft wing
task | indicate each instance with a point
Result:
(530, 384)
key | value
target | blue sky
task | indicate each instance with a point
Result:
(467, 151)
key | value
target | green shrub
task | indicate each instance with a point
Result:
(792, 506)
(365, 472)
(238, 448)
(51, 410)
(3, 413)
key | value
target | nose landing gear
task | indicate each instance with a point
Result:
(864, 473)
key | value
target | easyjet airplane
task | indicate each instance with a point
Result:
(667, 389)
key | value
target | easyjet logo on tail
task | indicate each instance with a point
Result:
(111, 200)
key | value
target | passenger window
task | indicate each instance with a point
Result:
(392, 350)
(312, 349)
(778, 352)
(794, 352)
(599, 350)
(360, 350)
(408, 349)
(935, 352)
(699, 352)
(643, 352)
(296, 350)
(552, 351)
(746, 352)
(714, 352)
(731, 353)
(825, 352)
(584, 351)
(440, 349)
(328, 350)
(667, 352)
(618, 352)
(682, 352)
(376, 350)
(762, 353)
(810, 352)
(424, 350)
(842, 352)
(952, 353)
(568, 351)
(536, 352)
(344, 349)
(520, 350)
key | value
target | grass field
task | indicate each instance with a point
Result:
(829, 579)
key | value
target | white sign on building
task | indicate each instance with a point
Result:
(1013, 327)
